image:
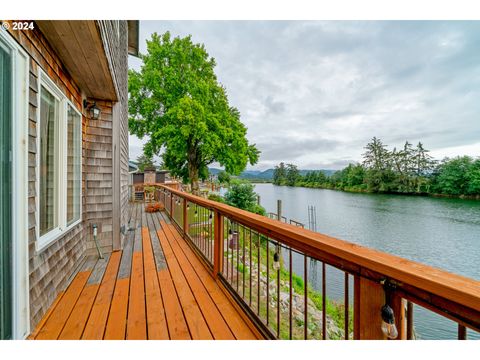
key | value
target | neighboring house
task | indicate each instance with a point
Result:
(64, 167)
(150, 176)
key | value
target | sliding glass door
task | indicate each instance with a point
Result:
(5, 193)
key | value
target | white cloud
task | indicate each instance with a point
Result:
(301, 85)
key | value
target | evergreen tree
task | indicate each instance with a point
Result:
(292, 175)
(279, 174)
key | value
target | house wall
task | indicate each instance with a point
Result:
(51, 269)
(98, 175)
(115, 41)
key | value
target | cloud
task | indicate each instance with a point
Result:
(315, 92)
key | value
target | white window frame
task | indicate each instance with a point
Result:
(44, 241)
(65, 144)
(20, 253)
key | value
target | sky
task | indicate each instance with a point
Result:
(313, 93)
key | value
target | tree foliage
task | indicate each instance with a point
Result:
(176, 101)
(241, 194)
(292, 175)
(145, 162)
(457, 176)
(279, 174)
(223, 177)
(410, 170)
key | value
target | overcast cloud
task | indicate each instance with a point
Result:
(314, 93)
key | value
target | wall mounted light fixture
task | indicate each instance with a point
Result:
(94, 110)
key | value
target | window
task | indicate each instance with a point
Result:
(49, 119)
(60, 164)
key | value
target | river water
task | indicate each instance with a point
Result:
(444, 233)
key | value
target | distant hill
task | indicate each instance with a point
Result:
(266, 175)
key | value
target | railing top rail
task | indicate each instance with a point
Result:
(459, 289)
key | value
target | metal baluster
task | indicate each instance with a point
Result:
(324, 303)
(278, 294)
(212, 237)
(346, 306)
(250, 266)
(233, 255)
(237, 245)
(243, 241)
(210, 233)
(462, 332)
(228, 247)
(258, 275)
(305, 298)
(203, 230)
(409, 320)
(268, 280)
(290, 295)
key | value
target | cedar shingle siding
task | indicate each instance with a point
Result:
(51, 269)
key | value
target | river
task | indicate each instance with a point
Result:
(444, 233)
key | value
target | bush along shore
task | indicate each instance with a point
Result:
(409, 171)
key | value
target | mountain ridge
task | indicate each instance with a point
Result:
(266, 174)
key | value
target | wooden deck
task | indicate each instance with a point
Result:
(156, 288)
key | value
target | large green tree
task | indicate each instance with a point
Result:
(377, 161)
(177, 102)
(279, 174)
(292, 174)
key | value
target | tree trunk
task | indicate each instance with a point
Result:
(193, 174)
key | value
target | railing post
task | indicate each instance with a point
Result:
(369, 297)
(398, 305)
(217, 244)
(185, 216)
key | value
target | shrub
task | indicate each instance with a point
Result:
(215, 197)
(241, 194)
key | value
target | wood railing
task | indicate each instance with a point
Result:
(255, 258)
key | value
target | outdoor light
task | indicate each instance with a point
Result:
(93, 109)
(388, 317)
(276, 261)
(233, 239)
(388, 322)
(210, 216)
(196, 213)
(188, 206)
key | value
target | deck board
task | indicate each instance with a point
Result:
(216, 323)
(195, 320)
(156, 321)
(55, 323)
(75, 325)
(95, 327)
(155, 288)
(233, 318)
(137, 318)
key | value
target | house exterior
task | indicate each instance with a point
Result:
(64, 167)
(150, 176)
